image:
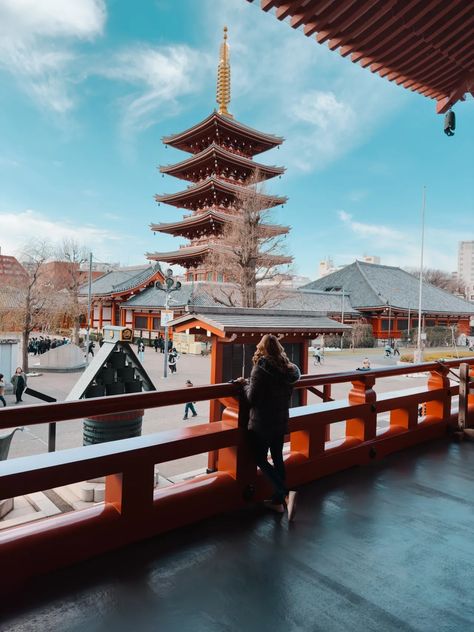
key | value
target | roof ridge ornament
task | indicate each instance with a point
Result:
(223, 78)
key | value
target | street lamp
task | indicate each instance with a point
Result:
(170, 286)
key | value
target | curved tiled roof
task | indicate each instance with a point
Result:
(121, 280)
(376, 286)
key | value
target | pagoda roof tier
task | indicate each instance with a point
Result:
(209, 222)
(225, 131)
(192, 256)
(216, 160)
(214, 192)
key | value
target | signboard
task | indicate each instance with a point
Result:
(166, 316)
(423, 336)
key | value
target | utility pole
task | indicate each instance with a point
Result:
(342, 318)
(89, 308)
(419, 350)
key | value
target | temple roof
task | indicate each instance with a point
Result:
(205, 194)
(210, 221)
(372, 286)
(122, 280)
(424, 45)
(188, 169)
(190, 256)
(229, 320)
(223, 130)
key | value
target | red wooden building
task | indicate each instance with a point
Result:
(387, 298)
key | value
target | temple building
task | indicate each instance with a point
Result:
(387, 297)
(221, 166)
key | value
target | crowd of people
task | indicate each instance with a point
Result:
(39, 345)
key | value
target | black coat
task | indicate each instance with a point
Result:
(268, 394)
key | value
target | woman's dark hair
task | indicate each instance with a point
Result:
(270, 348)
(1, 376)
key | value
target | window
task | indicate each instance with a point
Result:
(141, 322)
(220, 278)
(209, 276)
(156, 323)
(402, 324)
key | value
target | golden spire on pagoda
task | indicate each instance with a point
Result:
(223, 77)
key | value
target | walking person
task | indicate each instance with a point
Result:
(172, 362)
(156, 344)
(141, 351)
(161, 344)
(396, 350)
(19, 384)
(91, 348)
(2, 390)
(268, 393)
(190, 405)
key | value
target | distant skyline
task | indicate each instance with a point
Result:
(89, 88)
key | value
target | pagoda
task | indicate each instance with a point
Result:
(219, 167)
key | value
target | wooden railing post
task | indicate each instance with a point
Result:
(439, 408)
(237, 460)
(363, 393)
(131, 491)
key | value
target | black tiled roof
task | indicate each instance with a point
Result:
(120, 280)
(370, 285)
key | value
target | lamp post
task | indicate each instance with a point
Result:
(170, 286)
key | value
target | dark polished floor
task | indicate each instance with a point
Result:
(386, 547)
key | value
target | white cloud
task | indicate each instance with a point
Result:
(35, 45)
(369, 230)
(18, 228)
(402, 247)
(324, 105)
(160, 76)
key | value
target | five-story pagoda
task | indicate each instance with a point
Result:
(220, 166)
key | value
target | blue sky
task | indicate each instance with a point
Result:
(88, 88)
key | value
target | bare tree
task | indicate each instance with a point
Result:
(250, 253)
(440, 278)
(71, 255)
(33, 297)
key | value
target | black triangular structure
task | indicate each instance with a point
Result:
(114, 370)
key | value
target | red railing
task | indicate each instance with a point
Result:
(133, 509)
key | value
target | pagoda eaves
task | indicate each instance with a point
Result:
(214, 192)
(193, 256)
(208, 223)
(223, 131)
(219, 162)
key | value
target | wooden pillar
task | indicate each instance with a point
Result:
(439, 408)
(101, 314)
(112, 314)
(215, 407)
(363, 428)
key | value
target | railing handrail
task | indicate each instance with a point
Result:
(63, 411)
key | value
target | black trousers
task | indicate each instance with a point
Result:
(19, 393)
(276, 472)
(2, 399)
